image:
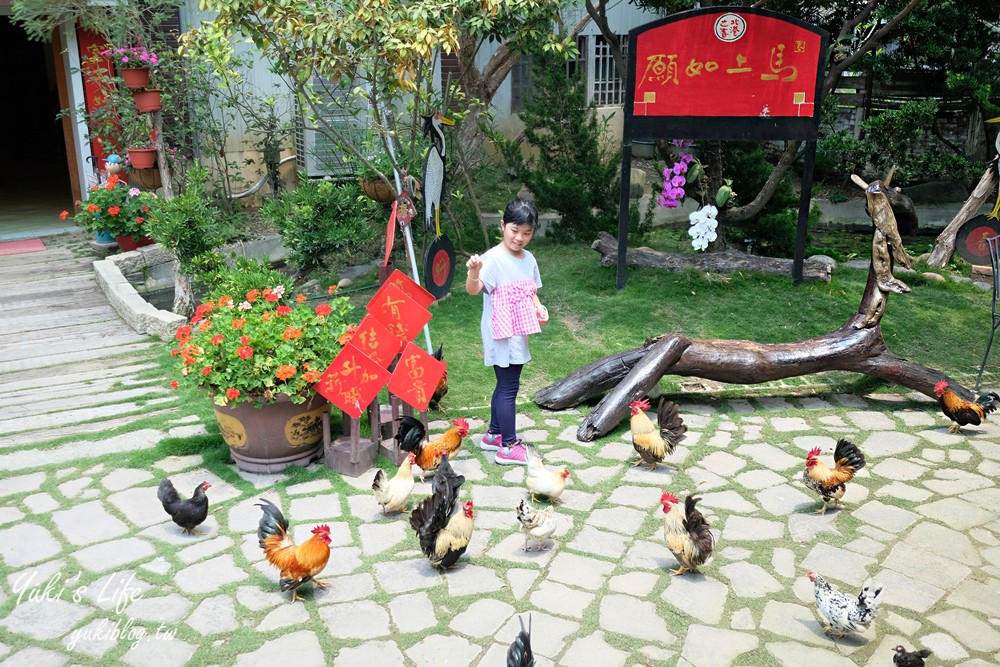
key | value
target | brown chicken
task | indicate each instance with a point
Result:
(443, 528)
(543, 482)
(297, 563)
(963, 412)
(410, 434)
(393, 493)
(653, 443)
(442, 385)
(688, 535)
(831, 484)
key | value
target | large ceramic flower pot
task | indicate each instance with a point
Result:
(274, 436)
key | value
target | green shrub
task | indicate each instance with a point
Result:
(321, 218)
(568, 171)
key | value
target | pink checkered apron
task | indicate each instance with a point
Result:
(514, 309)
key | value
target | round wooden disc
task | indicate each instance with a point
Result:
(439, 267)
(970, 242)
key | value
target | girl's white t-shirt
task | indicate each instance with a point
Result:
(500, 267)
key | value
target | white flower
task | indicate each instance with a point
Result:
(279, 290)
(245, 306)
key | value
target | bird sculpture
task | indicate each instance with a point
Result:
(434, 170)
(995, 164)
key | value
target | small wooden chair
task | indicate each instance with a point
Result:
(994, 245)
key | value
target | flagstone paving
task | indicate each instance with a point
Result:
(92, 572)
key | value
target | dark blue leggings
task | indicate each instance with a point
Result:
(503, 406)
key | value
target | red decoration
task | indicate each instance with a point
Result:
(727, 63)
(352, 380)
(409, 287)
(403, 316)
(416, 376)
(377, 342)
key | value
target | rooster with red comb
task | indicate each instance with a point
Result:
(831, 484)
(688, 535)
(653, 443)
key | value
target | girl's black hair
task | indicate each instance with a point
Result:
(521, 212)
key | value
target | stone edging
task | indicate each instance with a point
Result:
(137, 312)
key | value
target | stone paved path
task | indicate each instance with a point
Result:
(92, 573)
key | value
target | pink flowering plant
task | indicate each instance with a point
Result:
(131, 57)
(674, 178)
(255, 345)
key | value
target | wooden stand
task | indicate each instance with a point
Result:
(349, 454)
(389, 415)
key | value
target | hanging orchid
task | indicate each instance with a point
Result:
(703, 226)
(674, 178)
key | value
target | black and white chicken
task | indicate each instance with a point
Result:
(519, 654)
(538, 525)
(841, 613)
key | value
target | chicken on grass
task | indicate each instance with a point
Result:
(443, 528)
(687, 534)
(962, 412)
(537, 525)
(654, 443)
(832, 484)
(187, 513)
(296, 563)
(841, 613)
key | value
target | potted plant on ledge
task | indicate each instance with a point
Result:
(121, 211)
(259, 352)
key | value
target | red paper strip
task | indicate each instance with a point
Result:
(390, 233)
(409, 287)
(352, 380)
(380, 344)
(403, 316)
(416, 376)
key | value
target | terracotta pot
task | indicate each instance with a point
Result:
(274, 436)
(141, 158)
(147, 101)
(147, 178)
(127, 243)
(376, 189)
(135, 77)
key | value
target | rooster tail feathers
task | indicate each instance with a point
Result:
(847, 454)
(519, 654)
(380, 479)
(410, 433)
(672, 427)
(273, 522)
(439, 352)
(990, 401)
(446, 479)
(166, 493)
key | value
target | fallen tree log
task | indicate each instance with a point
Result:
(724, 261)
(944, 245)
(857, 346)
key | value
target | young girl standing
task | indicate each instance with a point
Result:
(507, 274)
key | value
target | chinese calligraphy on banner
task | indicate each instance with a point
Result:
(399, 313)
(352, 380)
(727, 64)
(416, 376)
(380, 344)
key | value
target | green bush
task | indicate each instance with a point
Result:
(321, 218)
(568, 171)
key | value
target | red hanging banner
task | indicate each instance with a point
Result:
(416, 376)
(409, 287)
(352, 380)
(400, 314)
(377, 342)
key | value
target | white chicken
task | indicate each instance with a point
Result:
(537, 525)
(542, 482)
(392, 494)
(844, 614)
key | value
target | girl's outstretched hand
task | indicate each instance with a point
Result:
(473, 265)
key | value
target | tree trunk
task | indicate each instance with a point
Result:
(723, 261)
(183, 294)
(944, 246)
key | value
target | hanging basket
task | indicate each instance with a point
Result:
(147, 178)
(135, 77)
(141, 158)
(147, 101)
(376, 189)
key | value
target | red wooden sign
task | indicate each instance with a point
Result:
(377, 342)
(727, 62)
(409, 287)
(352, 380)
(416, 376)
(403, 316)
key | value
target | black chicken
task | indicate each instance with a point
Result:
(519, 654)
(188, 514)
(904, 658)
(443, 528)
(442, 386)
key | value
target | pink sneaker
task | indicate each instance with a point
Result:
(515, 455)
(491, 442)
